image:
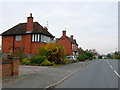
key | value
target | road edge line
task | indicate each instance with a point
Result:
(113, 69)
(53, 85)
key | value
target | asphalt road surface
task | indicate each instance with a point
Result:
(99, 74)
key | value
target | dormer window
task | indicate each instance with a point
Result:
(18, 37)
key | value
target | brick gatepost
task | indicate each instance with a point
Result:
(9, 67)
(15, 67)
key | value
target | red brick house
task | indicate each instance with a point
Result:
(28, 37)
(69, 43)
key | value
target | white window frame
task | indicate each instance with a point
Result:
(18, 37)
(33, 38)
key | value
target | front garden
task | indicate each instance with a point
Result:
(52, 54)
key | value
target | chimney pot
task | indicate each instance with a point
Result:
(64, 33)
(71, 36)
(30, 14)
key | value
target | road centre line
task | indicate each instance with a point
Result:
(113, 69)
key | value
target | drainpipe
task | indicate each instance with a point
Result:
(13, 44)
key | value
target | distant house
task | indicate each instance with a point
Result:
(69, 43)
(28, 37)
(81, 51)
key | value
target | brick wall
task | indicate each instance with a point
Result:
(35, 47)
(25, 43)
(9, 67)
(75, 47)
(7, 43)
(66, 44)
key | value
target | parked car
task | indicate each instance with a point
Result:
(71, 57)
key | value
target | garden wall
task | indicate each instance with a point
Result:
(9, 67)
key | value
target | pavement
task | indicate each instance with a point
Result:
(42, 77)
(99, 74)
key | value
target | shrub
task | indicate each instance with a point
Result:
(26, 61)
(37, 59)
(68, 61)
(99, 57)
(53, 52)
(118, 56)
(82, 57)
(47, 63)
(19, 53)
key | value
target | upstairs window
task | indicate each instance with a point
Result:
(36, 38)
(18, 38)
(45, 39)
(41, 38)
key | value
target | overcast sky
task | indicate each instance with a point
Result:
(93, 24)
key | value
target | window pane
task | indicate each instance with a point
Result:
(18, 38)
(33, 38)
(42, 38)
(38, 37)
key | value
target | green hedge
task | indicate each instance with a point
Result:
(47, 63)
(82, 57)
(37, 59)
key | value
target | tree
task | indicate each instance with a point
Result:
(54, 52)
(99, 57)
(109, 55)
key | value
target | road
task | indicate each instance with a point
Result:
(99, 74)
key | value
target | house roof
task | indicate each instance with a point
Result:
(73, 41)
(20, 29)
(70, 39)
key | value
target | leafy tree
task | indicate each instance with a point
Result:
(100, 57)
(89, 54)
(109, 56)
(54, 52)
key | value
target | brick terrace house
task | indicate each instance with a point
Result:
(28, 37)
(69, 43)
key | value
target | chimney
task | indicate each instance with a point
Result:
(71, 36)
(64, 33)
(29, 23)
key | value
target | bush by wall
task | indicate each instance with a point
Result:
(37, 59)
(68, 61)
(26, 61)
(47, 63)
(82, 57)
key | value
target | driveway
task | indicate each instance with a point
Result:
(27, 70)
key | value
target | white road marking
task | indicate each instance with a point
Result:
(113, 69)
(111, 66)
(117, 73)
